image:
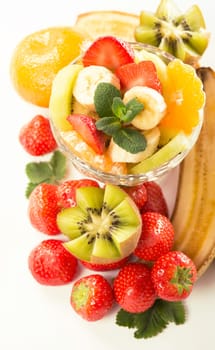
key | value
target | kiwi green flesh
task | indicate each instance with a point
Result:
(167, 10)
(194, 18)
(90, 197)
(113, 201)
(100, 235)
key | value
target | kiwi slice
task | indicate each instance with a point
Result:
(61, 99)
(181, 34)
(104, 227)
(175, 146)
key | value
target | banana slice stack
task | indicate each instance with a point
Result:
(194, 212)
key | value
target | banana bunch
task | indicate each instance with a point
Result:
(194, 213)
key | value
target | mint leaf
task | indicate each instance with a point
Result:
(130, 139)
(118, 107)
(38, 172)
(103, 99)
(109, 125)
(51, 171)
(154, 320)
(58, 163)
(133, 107)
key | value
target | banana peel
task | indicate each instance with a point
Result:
(194, 214)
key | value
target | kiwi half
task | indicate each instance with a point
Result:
(104, 227)
(183, 35)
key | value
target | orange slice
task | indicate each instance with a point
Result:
(184, 96)
(98, 23)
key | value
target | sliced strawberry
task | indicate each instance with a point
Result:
(86, 127)
(139, 74)
(109, 52)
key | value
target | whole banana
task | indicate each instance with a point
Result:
(194, 213)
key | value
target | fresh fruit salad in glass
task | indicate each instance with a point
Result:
(126, 112)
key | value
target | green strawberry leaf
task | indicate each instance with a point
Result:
(154, 320)
(103, 99)
(51, 171)
(58, 163)
(109, 125)
(130, 139)
(38, 172)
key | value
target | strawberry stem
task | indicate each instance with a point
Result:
(182, 279)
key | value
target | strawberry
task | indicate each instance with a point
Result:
(86, 127)
(43, 208)
(92, 297)
(155, 199)
(36, 136)
(173, 276)
(156, 238)
(67, 191)
(108, 51)
(138, 193)
(105, 267)
(133, 288)
(51, 264)
(138, 74)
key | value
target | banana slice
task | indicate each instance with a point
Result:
(154, 106)
(87, 81)
(118, 154)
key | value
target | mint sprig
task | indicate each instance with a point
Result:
(115, 117)
(154, 320)
(50, 171)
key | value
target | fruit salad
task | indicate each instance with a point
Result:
(124, 110)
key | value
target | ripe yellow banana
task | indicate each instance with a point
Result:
(194, 213)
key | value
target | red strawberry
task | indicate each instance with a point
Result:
(108, 51)
(156, 238)
(67, 191)
(138, 193)
(36, 137)
(155, 199)
(138, 74)
(86, 127)
(173, 276)
(133, 288)
(92, 297)
(51, 264)
(105, 267)
(43, 208)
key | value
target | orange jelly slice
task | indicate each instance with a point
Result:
(184, 96)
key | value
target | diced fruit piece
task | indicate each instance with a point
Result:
(155, 201)
(67, 191)
(156, 238)
(51, 264)
(43, 208)
(92, 297)
(108, 51)
(104, 227)
(87, 81)
(154, 106)
(173, 276)
(60, 105)
(86, 127)
(184, 96)
(78, 147)
(177, 145)
(36, 136)
(105, 267)
(139, 74)
(133, 288)
(182, 34)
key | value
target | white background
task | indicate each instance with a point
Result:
(36, 317)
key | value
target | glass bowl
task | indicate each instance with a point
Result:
(92, 171)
